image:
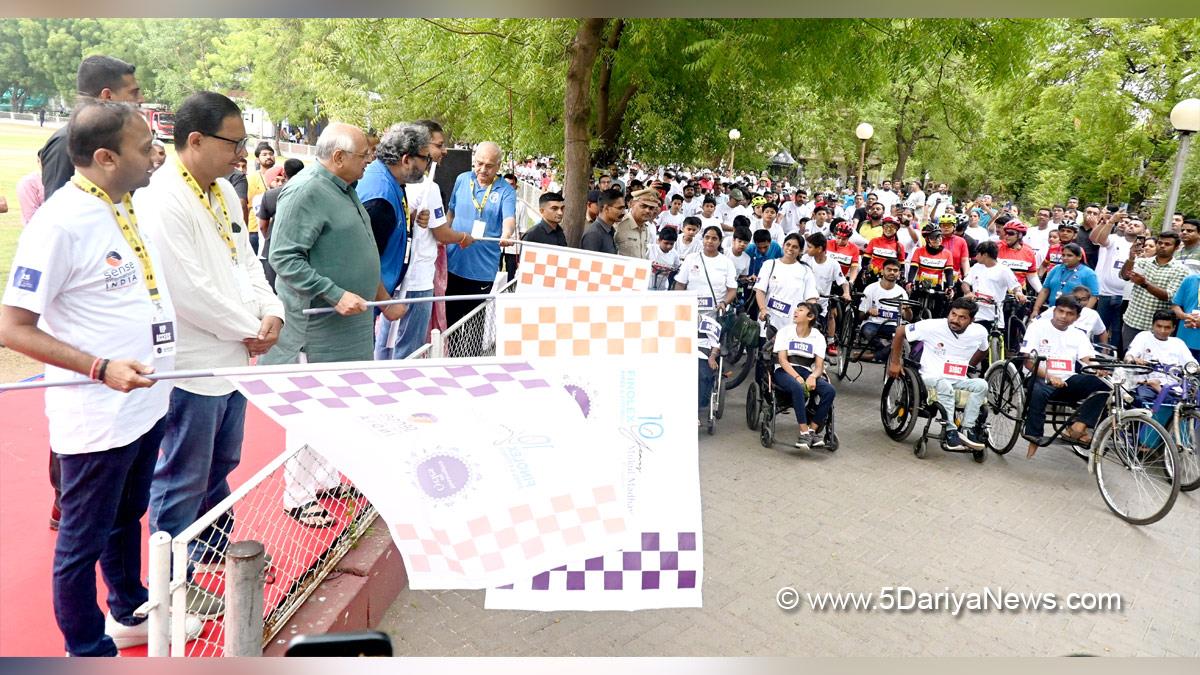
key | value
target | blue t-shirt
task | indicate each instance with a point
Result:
(1188, 299)
(757, 259)
(1063, 280)
(984, 217)
(481, 260)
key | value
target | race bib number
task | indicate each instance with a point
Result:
(800, 347)
(163, 338)
(1060, 368)
(478, 228)
(955, 371)
(706, 302)
(710, 328)
(984, 299)
(777, 305)
(889, 314)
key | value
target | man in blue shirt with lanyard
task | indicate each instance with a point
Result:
(480, 206)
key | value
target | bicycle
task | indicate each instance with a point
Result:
(740, 335)
(1184, 424)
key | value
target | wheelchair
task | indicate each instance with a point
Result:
(765, 401)
(906, 399)
(716, 396)
(850, 338)
(1134, 458)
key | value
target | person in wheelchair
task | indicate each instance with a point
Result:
(783, 284)
(1158, 345)
(800, 371)
(933, 264)
(882, 319)
(949, 347)
(988, 283)
(1063, 348)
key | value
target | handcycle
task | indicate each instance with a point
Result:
(850, 338)
(906, 399)
(765, 401)
(1134, 459)
(1183, 421)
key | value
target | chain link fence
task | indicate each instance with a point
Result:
(304, 512)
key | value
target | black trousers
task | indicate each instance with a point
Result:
(468, 339)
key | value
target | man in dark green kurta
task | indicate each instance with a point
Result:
(324, 254)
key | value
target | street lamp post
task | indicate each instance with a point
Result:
(1185, 117)
(734, 135)
(864, 132)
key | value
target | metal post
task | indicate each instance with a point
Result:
(1185, 143)
(160, 595)
(437, 342)
(244, 583)
(862, 159)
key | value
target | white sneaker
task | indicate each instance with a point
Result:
(131, 636)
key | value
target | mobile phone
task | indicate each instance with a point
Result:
(1112, 208)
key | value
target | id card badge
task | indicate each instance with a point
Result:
(163, 338)
(478, 228)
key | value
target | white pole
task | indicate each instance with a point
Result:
(1185, 144)
(160, 595)
(178, 615)
(437, 344)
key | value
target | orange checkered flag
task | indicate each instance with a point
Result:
(610, 324)
(553, 268)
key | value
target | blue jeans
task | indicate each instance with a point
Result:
(1079, 387)
(825, 394)
(414, 326)
(202, 445)
(707, 375)
(104, 495)
(1109, 309)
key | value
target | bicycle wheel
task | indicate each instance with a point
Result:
(743, 367)
(1015, 336)
(1187, 435)
(1137, 468)
(995, 350)
(1006, 402)
(898, 405)
(719, 411)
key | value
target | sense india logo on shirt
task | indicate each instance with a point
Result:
(120, 273)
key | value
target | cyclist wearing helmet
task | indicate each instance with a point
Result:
(960, 253)
(844, 251)
(1015, 254)
(885, 247)
(934, 264)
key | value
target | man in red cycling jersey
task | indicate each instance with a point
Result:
(885, 247)
(1016, 255)
(933, 263)
(960, 253)
(844, 251)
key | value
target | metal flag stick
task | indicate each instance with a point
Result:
(408, 301)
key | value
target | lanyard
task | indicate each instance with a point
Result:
(479, 207)
(222, 225)
(129, 230)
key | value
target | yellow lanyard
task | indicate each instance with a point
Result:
(222, 226)
(129, 230)
(479, 207)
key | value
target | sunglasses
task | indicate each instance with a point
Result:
(1009, 233)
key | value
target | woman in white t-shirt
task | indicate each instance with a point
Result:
(712, 277)
(800, 369)
(784, 283)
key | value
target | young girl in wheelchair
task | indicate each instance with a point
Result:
(800, 371)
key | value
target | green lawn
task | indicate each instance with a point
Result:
(19, 144)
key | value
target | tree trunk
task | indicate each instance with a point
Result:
(903, 152)
(577, 109)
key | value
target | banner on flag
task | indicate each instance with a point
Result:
(574, 270)
(632, 357)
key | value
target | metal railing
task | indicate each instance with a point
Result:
(51, 120)
(298, 557)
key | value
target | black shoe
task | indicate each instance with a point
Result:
(952, 440)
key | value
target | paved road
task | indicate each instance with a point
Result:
(872, 515)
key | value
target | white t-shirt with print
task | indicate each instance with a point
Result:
(1089, 321)
(707, 277)
(1172, 351)
(802, 351)
(1062, 349)
(423, 196)
(1111, 259)
(946, 353)
(785, 286)
(74, 268)
(872, 295)
(826, 274)
(990, 286)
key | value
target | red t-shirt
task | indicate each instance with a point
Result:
(959, 251)
(932, 267)
(881, 249)
(847, 256)
(1022, 262)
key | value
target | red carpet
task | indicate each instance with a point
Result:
(27, 626)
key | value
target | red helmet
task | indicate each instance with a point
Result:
(1016, 225)
(843, 229)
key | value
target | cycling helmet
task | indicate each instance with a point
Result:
(931, 229)
(758, 201)
(1068, 225)
(947, 218)
(1016, 225)
(843, 229)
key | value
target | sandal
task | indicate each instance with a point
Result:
(312, 515)
(1082, 440)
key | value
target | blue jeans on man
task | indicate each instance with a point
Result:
(104, 495)
(201, 446)
(410, 334)
(1078, 388)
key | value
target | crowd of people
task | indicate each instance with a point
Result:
(133, 263)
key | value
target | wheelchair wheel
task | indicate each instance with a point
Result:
(1137, 468)
(712, 426)
(921, 449)
(752, 406)
(832, 442)
(1006, 405)
(898, 405)
(766, 433)
(719, 408)
(744, 365)
(1187, 437)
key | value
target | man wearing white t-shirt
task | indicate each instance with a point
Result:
(938, 203)
(1061, 349)
(1158, 345)
(1114, 251)
(951, 346)
(916, 198)
(1038, 236)
(87, 298)
(1089, 322)
(227, 314)
(989, 284)
(886, 197)
(672, 217)
(882, 319)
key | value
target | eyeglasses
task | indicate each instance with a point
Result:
(1010, 233)
(365, 155)
(428, 158)
(238, 146)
